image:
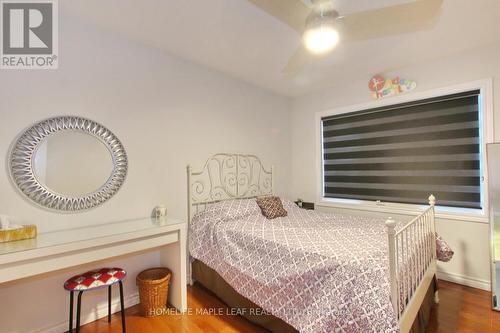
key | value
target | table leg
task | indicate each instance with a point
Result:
(173, 256)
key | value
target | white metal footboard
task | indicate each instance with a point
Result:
(412, 263)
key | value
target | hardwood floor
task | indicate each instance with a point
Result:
(461, 310)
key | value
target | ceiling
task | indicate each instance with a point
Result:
(239, 39)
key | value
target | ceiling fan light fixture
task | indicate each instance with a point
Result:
(321, 38)
(321, 34)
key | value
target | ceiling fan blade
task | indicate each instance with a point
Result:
(291, 12)
(298, 60)
(394, 20)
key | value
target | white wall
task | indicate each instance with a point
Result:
(468, 239)
(167, 113)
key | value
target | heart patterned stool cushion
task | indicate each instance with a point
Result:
(103, 277)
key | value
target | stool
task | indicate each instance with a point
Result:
(93, 280)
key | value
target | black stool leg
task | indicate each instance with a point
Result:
(78, 310)
(109, 304)
(124, 330)
(70, 312)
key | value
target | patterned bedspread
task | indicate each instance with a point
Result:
(318, 272)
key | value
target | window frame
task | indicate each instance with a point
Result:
(486, 135)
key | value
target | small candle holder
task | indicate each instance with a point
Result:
(160, 212)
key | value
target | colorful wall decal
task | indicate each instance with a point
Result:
(382, 87)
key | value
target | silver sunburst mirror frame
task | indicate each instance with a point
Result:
(22, 157)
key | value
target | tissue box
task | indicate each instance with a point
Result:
(26, 232)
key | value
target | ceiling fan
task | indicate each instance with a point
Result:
(322, 27)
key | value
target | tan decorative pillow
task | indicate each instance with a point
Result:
(271, 207)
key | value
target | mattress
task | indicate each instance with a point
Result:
(317, 272)
(211, 280)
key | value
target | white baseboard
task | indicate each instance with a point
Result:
(96, 313)
(465, 280)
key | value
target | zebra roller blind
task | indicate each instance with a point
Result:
(402, 153)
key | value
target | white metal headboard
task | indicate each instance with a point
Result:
(227, 176)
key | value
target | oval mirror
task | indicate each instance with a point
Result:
(72, 163)
(68, 163)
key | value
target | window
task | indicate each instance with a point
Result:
(402, 153)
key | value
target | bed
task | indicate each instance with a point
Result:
(309, 271)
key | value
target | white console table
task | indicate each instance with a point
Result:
(68, 248)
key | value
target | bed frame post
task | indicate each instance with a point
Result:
(272, 180)
(391, 235)
(432, 200)
(188, 169)
(189, 203)
(432, 203)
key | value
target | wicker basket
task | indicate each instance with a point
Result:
(153, 290)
